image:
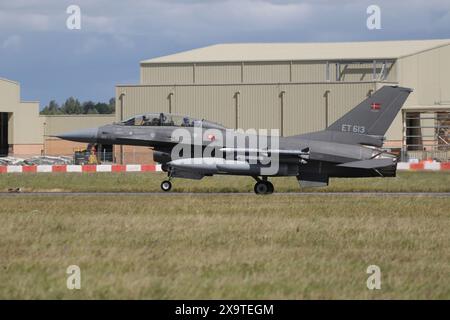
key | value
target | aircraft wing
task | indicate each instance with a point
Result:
(369, 164)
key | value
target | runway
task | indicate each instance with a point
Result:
(181, 194)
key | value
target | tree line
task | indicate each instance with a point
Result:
(74, 106)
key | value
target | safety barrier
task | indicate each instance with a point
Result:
(401, 166)
(82, 168)
(424, 165)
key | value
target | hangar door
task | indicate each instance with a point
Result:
(4, 134)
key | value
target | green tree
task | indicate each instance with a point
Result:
(71, 106)
(89, 107)
(102, 108)
(112, 105)
(92, 111)
(51, 108)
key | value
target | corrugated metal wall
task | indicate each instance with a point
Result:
(218, 73)
(167, 73)
(311, 96)
(140, 100)
(409, 77)
(259, 106)
(268, 72)
(311, 72)
(215, 103)
(57, 124)
(444, 73)
(311, 107)
(429, 74)
(429, 77)
(260, 72)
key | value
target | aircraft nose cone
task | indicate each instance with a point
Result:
(85, 135)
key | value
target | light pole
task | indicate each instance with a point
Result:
(169, 97)
(282, 112)
(236, 109)
(326, 96)
(45, 136)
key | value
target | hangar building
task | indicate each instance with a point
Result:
(293, 87)
(15, 115)
(300, 87)
(25, 133)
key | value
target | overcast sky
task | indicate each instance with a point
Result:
(53, 62)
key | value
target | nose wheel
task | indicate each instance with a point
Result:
(263, 187)
(166, 185)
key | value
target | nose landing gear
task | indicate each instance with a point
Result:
(166, 185)
(263, 186)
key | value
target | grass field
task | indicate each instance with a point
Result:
(149, 182)
(223, 246)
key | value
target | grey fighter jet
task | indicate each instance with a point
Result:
(193, 148)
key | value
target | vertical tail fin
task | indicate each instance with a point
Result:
(374, 115)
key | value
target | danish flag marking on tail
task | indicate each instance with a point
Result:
(375, 107)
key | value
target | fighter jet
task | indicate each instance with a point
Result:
(194, 148)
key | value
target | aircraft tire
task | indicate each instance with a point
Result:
(261, 187)
(166, 185)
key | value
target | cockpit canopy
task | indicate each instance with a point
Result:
(169, 120)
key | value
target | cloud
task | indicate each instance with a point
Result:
(23, 21)
(92, 44)
(116, 35)
(124, 42)
(12, 42)
(98, 24)
(182, 20)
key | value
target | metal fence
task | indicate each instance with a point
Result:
(141, 157)
(132, 157)
(439, 156)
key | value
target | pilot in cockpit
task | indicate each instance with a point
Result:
(185, 122)
(162, 119)
(155, 122)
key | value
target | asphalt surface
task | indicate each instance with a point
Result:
(175, 194)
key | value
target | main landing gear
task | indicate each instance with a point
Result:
(263, 186)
